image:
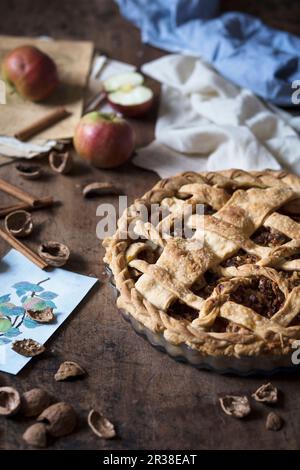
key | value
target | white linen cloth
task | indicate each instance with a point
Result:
(206, 123)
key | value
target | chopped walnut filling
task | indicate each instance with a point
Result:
(211, 280)
(239, 259)
(208, 210)
(292, 257)
(181, 311)
(134, 273)
(222, 325)
(260, 294)
(151, 256)
(267, 236)
(292, 278)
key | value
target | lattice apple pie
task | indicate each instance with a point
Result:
(231, 287)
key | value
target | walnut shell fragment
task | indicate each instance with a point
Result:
(31, 172)
(236, 406)
(28, 347)
(10, 401)
(99, 189)
(61, 162)
(54, 253)
(68, 370)
(59, 419)
(36, 435)
(274, 422)
(19, 223)
(267, 393)
(100, 425)
(41, 316)
(34, 402)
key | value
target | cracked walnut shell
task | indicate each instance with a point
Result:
(274, 422)
(61, 162)
(19, 223)
(9, 401)
(54, 253)
(236, 406)
(100, 425)
(28, 347)
(100, 189)
(41, 316)
(68, 370)
(267, 393)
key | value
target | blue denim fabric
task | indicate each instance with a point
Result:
(239, 46)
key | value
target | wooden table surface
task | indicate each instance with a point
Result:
(155, 402)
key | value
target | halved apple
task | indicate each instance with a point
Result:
(127, 94)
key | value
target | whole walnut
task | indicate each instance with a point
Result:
(34, 402)
(59, 419)
(36, 435)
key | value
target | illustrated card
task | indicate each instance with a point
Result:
(26, 288)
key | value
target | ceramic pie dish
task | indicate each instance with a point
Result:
(210, 271)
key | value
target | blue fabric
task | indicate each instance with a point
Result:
(239, 46)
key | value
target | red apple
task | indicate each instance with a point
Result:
(32, 72)
(105, 140)
(126, 94)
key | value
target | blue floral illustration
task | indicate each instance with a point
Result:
(32, 297)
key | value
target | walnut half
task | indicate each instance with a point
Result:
(236, 406)
(10, 401)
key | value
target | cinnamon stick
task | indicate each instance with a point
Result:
(17, 192)
(41, 124)
(39, 204)
(31, 255)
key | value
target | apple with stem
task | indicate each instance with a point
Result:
(126, 94)
(105, 140)
(32, 72)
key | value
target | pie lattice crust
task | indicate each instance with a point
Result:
(232, 288)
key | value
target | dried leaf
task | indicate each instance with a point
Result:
(19, 223)
(41, 316)
(34, 402)
(10, 401)
(31, 172)
(61, 162)
(100, 425)
(274, 422)
(28, 347)
(67, 370)
(60, 419)
(36, 435)
(236, 406)
(99, 189)
(266, 394)
(54, 253)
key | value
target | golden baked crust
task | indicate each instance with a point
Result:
(237, 293)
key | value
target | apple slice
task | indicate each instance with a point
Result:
(126, 94)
